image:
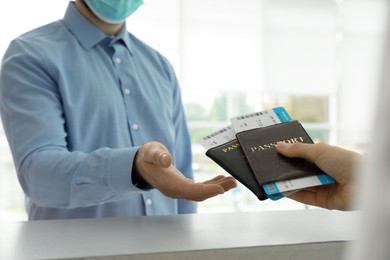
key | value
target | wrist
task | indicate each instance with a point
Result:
(138, 180)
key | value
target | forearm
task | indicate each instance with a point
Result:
(62, 179)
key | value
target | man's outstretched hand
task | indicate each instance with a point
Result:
(154, 164)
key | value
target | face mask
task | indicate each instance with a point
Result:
(113, 11)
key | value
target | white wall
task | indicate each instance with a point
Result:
(364, 26)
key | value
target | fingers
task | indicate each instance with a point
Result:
(201, 192)
(307, 151)
(183, 188)
(211, 188)
(216, 178)
(335, 161)
(323, 155)
(226, 183)
(306, 197)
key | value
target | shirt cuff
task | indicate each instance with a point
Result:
(138, 180)
(119, 170)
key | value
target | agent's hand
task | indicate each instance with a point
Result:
(154, 164)
(336, 162)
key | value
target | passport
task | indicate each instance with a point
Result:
(224, 149)
(267, 165)
(231, 158)
(246, 150)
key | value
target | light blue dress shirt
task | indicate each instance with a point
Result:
(76, 105)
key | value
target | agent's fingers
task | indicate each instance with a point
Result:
(173, 184)
(227, 183)
(193, 191)
(216, 178)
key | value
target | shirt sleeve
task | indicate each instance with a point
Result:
(49, 172)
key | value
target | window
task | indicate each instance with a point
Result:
(312, 111)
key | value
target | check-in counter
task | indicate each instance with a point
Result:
(302, 234)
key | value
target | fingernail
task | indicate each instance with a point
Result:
(162, 158)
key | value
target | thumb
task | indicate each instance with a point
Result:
(283, 148)
(291, 150)
(156, 153)
(165, 159)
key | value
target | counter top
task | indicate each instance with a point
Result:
(211, 236)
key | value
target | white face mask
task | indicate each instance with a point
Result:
(113, 11)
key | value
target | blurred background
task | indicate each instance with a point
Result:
(320, 59)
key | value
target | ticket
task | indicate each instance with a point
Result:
(260, 119)
(297, 184)
(218, 138)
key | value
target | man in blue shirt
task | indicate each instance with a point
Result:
(94, 120)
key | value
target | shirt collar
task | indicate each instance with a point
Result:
(125, 37)
(86, 32)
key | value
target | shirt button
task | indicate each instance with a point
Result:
(135, 126)
(127, 91)
(118, 60)
(149, 202)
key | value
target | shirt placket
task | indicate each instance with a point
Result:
(129, 83)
